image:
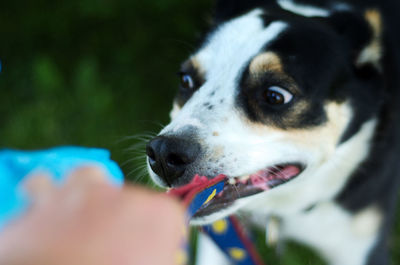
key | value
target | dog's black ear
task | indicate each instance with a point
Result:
(363, 32)
(227, 9)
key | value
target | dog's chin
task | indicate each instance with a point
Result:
(239, 191)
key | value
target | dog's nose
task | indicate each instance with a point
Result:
(169, 157)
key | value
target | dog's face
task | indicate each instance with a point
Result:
(273, 99)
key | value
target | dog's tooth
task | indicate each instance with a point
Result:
(232, 181)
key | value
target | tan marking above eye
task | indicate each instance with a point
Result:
(372, 53)
(264, 62)
(197, 66)
(193, 63)
(374, 19)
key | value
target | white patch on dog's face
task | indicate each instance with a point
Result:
(175, 110)
(303, 10)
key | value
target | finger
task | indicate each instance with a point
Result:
(38, 187)
(86, 176)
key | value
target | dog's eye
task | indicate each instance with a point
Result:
(277, 96)
(187, 81)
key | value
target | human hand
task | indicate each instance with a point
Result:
(87, 221)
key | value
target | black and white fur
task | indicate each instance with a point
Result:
(339, 62)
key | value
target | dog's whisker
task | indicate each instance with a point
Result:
(139, 136)
(134, 159)
(139, 146)
(139, 172)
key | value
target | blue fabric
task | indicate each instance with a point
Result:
(227, 238)
(201, 198)
(56, 162)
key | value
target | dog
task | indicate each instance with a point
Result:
(303, 96)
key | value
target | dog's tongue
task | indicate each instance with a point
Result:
(263, 178)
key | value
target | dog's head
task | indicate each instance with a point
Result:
(278, 95)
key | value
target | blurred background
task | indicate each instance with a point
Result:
(102, 73)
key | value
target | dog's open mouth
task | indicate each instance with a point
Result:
(241, 187)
